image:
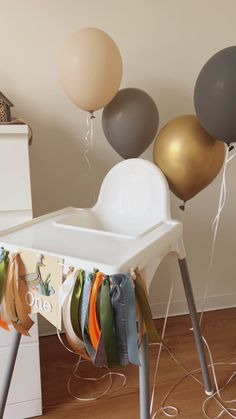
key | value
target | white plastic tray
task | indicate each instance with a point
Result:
(88, 248)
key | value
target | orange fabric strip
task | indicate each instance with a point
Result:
(94, 330)
(4, 325)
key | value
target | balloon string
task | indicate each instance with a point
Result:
(215, 226)
(221, 205)
(161, 345)
(220, 401)
(182, 206)
(182, 214)
(103, 393)
(88, 147)
(173, 411)
(74, 374)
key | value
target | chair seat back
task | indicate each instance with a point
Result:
(134, 197)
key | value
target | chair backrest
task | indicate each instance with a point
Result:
(134, 197)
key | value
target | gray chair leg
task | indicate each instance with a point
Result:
(144, 379)
(6, 373)
(195, 324)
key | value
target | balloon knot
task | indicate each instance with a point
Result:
(182, 206)
(92, 115)
(231, 147)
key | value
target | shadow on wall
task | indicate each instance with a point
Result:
(172, 98)
(59, 172)
(159, 292)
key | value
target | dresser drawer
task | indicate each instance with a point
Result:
(25, 384)
(14, 170)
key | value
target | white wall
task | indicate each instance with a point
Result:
(164, 44)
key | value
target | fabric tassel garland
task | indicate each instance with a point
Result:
(106, 312)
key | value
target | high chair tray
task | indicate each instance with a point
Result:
(88, 248)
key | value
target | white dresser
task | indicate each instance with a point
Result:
(24, 399)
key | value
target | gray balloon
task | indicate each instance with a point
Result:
(130, 122)
(215, 95)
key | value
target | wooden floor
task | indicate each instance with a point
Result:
(219, 328)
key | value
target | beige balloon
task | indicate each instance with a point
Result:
(90, 69)
(188, 156)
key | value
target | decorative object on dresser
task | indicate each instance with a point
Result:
(5, 109)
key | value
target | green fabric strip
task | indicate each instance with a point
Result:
(107, 325)
(146, 311)
(4, 260)
(75, 304)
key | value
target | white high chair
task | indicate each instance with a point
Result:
(130, 225)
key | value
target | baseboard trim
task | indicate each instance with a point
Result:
(179, 307)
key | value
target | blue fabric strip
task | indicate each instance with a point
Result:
(130, 315)
(83, 313)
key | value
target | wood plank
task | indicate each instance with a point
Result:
(219, 327)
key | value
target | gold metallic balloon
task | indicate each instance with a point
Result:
(188, 156)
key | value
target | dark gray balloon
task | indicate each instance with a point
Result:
(215, 95)
(130, 122)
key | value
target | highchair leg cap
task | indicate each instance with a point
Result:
(209, 393)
